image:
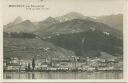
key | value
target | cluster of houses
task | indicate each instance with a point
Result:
(71, 63)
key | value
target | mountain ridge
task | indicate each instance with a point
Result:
(24, 26)
(76, 25)
(114, 21)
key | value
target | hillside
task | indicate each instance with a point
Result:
(27, 48)
(43, 25)
(115, 21)
(24, 26)
(89, 43)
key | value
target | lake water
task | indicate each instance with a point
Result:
(64, 75)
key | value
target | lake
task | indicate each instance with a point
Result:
(64, 75)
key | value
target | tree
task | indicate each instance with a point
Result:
(33, 63)
(29, 68)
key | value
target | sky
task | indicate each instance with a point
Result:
(59, 8)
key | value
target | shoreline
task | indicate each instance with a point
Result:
(64, 71)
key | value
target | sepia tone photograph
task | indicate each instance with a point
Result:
(63, 39)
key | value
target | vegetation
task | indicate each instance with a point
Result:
(93, 41)
(33, 63)
(19, 35)
(26, 48)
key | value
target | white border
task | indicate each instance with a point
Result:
(125, 73)
(1, 43)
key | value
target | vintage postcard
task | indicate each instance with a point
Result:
(63, 40)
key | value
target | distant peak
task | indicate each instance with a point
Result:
(50, 17)
(18, 20)
(26, 21)
(70, 16)
(74, 13)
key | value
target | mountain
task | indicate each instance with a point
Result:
(43, 25)
(24, 26)
(89, 43)
(70, 35)
(115, 21)
(18, 20)
(75, 26)
(70, 16)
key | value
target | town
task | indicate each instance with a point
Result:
(72, 63)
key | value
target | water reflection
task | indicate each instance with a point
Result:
(28, 75)
(33, 76)
(64, 75)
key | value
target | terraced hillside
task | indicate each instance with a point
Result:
(27, 48)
